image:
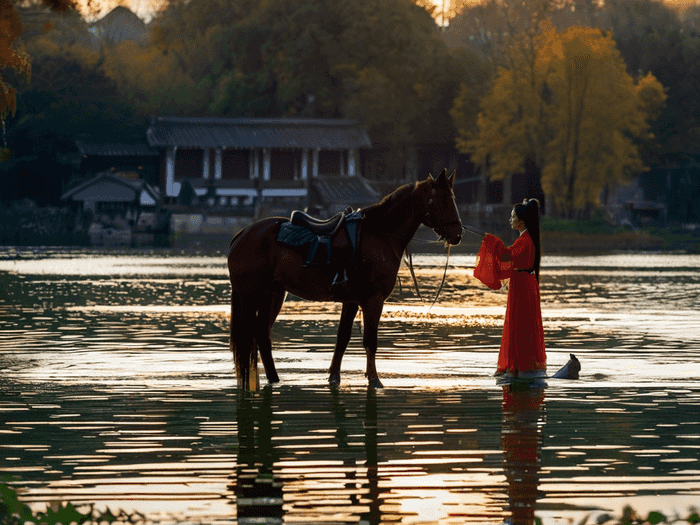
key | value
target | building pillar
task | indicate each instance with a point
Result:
(217, 164)
(267, 162)
(170, 171)
(314, 163)
(252, 162)
(351, 162)
(304, 164)
(342, 163)
(206, 169)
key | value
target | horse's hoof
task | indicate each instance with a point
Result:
(375, 383)
(334, 379)
(273, 378)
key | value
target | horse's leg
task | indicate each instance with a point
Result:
(265, 319)
(371, 313)
(347, 317)
(243, 345)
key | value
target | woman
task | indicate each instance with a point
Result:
(522, 351)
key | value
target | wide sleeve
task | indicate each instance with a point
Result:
(490, 269)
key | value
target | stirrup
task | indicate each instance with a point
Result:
(338, 280)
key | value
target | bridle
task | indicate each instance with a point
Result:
(441, 230)
(442, 224)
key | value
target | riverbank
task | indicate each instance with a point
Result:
(558, 237)
(596, 236)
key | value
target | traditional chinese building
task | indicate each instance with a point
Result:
(236, 163)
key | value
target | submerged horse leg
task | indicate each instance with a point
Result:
(266, 316)
(347, 317)
(371, 313)
(244, 346)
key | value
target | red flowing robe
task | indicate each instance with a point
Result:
(522, 343)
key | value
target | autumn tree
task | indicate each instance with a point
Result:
(575, 110)
(148, 80)
(652, 36)
(492, 27)
(382, 62)
(12, 56)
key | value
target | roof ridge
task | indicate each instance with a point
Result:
(258, 120)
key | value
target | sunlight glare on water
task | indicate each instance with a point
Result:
(118, 389)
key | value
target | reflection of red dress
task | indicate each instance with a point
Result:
(522, 344)
(521, 436)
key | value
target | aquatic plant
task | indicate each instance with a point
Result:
(632, 517)
(14, 512)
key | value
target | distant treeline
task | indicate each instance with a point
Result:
(384, 62)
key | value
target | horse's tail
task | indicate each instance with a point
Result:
(244, 347)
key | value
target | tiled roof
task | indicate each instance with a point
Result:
(327, 134)
(349, 191)
(114, 149)
(138, 186)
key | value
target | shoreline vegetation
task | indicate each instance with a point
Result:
(596, 236)
(14, 512)
(559, 235)
(53, 227)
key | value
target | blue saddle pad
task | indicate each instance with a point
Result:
(294, 235)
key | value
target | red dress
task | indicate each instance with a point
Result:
(522, 344)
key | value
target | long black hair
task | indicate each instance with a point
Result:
(529, 213)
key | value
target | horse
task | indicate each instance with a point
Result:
(263, 270)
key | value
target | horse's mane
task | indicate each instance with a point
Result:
(387, 203)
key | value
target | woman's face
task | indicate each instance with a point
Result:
(516, 223)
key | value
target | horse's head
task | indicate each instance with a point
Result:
(441, 213)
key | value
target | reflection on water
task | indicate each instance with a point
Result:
(521, 436)
(118, 389)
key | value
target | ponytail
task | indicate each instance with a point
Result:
(529, 213)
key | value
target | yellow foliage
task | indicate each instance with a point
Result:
(574, 109)
(146, 75)
(11, 57)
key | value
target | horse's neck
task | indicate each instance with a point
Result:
(400, 221)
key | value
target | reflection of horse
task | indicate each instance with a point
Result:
(274, 491)
(255, 479)
(262, 270)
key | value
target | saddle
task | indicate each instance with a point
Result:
(318, 227)
(331, 241)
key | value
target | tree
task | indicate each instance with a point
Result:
(146, 79)
(12, 56)
(574, 110)
(691, 20)
(651, 37)
(381, 62)
(492, 27)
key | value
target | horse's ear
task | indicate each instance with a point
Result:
(442, 175)
(451, 179)
(430, 176)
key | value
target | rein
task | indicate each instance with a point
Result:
(440, 230)
(413, 274)
(415, 280)
(444, 275)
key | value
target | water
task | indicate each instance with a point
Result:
(118, 390)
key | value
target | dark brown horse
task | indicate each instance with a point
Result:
(262, 270)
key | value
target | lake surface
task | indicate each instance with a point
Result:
(118, 389)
